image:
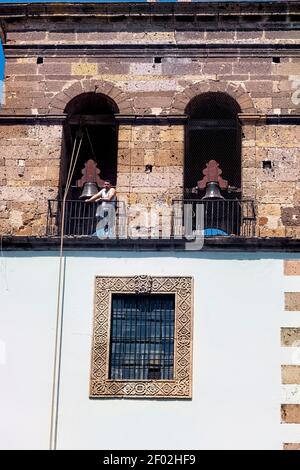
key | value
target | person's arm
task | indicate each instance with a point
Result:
(110, 195)
(96, 197)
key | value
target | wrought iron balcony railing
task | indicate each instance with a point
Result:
(80, 217)
(223, 217)
(220, 217)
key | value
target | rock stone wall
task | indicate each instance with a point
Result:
(51, 60)
(29, 175)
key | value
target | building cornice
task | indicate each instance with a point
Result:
(217, 244)
(48, 10)
(234, 49)
(137, 119)
(31, 118)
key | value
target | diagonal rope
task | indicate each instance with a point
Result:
(91, 145)
(59, 311)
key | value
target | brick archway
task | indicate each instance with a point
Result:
(182, 99)
(122, 100)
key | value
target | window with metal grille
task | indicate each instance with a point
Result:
(142, 337)
(213, 132)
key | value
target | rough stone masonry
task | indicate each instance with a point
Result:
(151, 60)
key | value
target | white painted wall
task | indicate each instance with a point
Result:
(237, 356)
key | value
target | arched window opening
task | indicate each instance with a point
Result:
(89, 157)
(90, 117)
(213, 132)
(212, 169)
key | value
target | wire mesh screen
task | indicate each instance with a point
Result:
(213, 132)
(142, 337)
(212, 141)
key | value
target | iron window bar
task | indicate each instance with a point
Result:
(142, 337)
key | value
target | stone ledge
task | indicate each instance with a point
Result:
(163, 119)
(27, 10)
(218, 244)
(29, 118)
(233, 49)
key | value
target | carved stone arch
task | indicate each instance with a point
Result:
(122, 99)
(182, 99)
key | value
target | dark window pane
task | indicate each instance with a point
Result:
(142, 337)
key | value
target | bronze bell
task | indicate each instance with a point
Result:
(89, 190)
(212, 191)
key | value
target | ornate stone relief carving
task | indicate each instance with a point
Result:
(143, 284)
(181, 385)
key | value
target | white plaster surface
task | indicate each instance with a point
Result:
(238, 312)
(291, 394)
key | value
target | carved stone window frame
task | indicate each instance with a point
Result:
(179, 387)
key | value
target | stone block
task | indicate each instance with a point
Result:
(249, 157)
(261, 86)
(143, 101)
(265, 231)
(84, 69)
(292, 301)
(28, 194)
(28, 37)
(219, 36)
(290, 414)
(291, 216)
(249, 36)
(16, 219)
(61, 37)
(128, 168)
(124, 157)
(277, 34)
(124, 179)
(266, 210)
(4, 212)
(163, 158)
(20, 69)
(290, 337)
(252, 68)
(293, 232)
(292, 268)
(279, 175)
(5, 227)
(288, 68)
(284, 157)
(297, 194)
(263, 104)
(185, 37)
(27, 231)
(291, 446)
(217, 68)
(124, 135)
(248, 174)
(152, 180)
(56, 69)
(248, 132)
(263, 220)
(275, 193)
(282, 103)
(117, 68)
(290, 374)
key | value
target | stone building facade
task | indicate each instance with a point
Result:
(152, 93)
(150, 62)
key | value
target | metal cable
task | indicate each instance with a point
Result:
(59, 311)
